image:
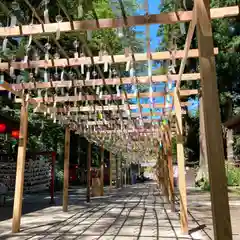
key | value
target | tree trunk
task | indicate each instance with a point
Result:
(229, 135)
(203, 161)
(230, 155)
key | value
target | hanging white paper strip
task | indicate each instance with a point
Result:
(13, 22)
(131, 72)
(46, 16)
(149, 68)
(182, 28)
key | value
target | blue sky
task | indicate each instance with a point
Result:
(154, 9)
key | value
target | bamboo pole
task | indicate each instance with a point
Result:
(18, 195)
(89, 163)
(66, 169)
(212, 122)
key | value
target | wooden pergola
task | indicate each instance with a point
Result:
(100, 109)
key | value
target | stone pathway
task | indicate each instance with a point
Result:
(134, 213)
(201, 211)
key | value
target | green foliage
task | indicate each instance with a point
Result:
(59, 178)
(43, 134)
(232, 174)
(226, 32)
(204, 185)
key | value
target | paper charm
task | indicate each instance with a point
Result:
(45, 13)
(58, 19)
(47, 47)
(76, 45)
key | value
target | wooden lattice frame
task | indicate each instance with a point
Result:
(199, 16)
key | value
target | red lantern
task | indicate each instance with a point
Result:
(15, 134)
(3, 127)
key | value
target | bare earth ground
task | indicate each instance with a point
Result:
(135, 212)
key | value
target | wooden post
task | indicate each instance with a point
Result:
(181, 164)
(212, 120)
(126, 174)
(79, 149)
(159, 173)
(52, 201)
(165, 169)
(102, 171)
(89, 163)
(130, 173)
(110, 171)
(161, 165)
(121, 173)
(170, 170)
(117, 172)
(66, 169)
(18, 195)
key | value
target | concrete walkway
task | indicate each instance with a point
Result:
(136, 212)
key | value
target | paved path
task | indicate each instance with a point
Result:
(201, 211)
(136, 212)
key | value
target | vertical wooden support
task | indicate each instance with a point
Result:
(102, 171)
(89, 163)
(79, 149)
(130, 173)
(160, 171)
(52, 201)
(212, 120)
(181, 164)
(125, 174)
(161, 165)
(18, 195)
(110, 171)
(139, 168)
(165, 172)
(66, 169)
(121, 172)
(117, 172)
(170, 170)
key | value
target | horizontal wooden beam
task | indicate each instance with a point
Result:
(133, 115)
(99, 122)
(100, 82)
(193, 53)
(106, 97)
(99, 108)
(138, 132)
(18, 94)
(162, 18)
